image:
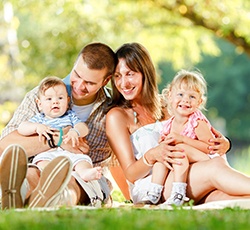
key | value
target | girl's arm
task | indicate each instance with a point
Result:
(180, 139)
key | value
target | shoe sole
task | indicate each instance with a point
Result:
(54, 178)
(13, 170)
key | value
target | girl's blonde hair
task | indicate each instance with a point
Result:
(194, 80)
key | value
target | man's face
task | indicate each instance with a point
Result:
(86, 82)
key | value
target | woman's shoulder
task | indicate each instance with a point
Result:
(116, 111)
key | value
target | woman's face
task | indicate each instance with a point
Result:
(127, 82)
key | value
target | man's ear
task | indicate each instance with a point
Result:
(105, 82)
(68, 102)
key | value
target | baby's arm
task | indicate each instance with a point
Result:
(79, 130)
(28, 128)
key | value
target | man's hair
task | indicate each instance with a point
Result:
(48, 82)
(99, 56)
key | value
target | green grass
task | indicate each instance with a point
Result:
(125, 218)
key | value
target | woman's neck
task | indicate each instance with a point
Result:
(141, 115)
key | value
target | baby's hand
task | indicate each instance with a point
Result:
(43, 130)
(73, 136)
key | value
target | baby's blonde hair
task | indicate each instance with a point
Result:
(48, 82)
(194, 80)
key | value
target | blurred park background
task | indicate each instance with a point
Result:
(41, 38)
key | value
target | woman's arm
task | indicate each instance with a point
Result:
(117, 129)
(119, 139)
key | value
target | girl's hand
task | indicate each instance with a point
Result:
(176, 138)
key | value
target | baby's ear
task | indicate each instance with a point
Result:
(38, 102)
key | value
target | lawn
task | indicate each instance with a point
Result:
(125, 218)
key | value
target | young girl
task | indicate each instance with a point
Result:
(185, 97)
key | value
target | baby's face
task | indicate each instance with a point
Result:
(54, 102)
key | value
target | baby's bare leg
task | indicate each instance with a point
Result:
(87, 172)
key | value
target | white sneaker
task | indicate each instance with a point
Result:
(177, 199)
(151, 198)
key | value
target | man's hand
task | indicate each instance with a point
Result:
(219, 144)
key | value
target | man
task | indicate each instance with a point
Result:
(89, 98)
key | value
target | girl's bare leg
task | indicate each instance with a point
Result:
(159, 173)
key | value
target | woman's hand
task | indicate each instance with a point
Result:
(219, 144)
(167, 153)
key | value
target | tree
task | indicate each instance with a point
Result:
(49, 34)
(226, 19)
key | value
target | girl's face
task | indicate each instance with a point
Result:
(54, 102)
(184, 101)
(128, 82)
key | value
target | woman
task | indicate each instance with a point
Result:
(133, 126)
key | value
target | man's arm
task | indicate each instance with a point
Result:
(31, 144)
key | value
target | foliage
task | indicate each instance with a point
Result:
(228, 90)
(40, 38)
